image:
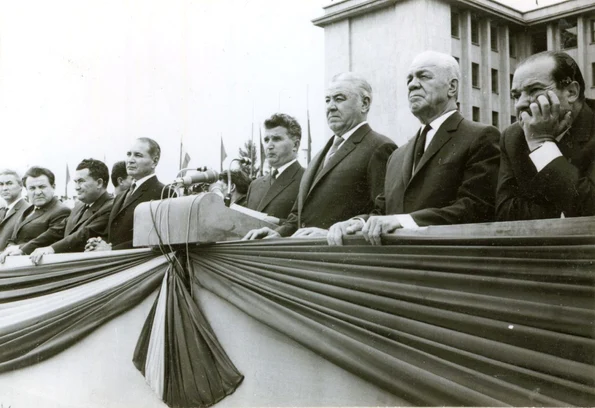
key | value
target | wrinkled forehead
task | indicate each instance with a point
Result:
(428, 64)
(536, 71)
(140, 147)
(38, 181)
(341, 87)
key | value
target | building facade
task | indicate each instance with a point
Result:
(379, 38)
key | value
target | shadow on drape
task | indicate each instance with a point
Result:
(483, 322)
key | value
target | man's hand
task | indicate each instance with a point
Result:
(36, 255)
(339, 230)
(379, 225)
(311, 232)
(264, 232)
(97, 244)
(544, 123)
(10, 251)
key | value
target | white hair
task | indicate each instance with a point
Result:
(359, 82)
(445, 62)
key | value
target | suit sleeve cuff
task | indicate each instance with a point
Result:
(544, 155)
(406, 221)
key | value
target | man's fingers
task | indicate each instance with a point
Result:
(535, 111)
(375, 235)
(555, 104)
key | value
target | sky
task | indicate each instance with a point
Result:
(83, 79)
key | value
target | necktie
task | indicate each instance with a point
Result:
(274, 175)
(420, 145)
(82, 214)
(3, 212)
(336, 144)
(129, 195)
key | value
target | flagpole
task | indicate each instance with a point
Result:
(66, 184)
(261, 150)
(309, 147)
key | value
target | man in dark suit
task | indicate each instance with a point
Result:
(120, 178)
(11, 189)
(447, 174)
(142, 158)
(42, 223)
(276, 192)
(90, 215)
(547, 168)
(344, 178)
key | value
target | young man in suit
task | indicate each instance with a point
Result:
(276, 192)
(142, 159)
(548, 157)
(447, 174)
(348, 173)
(42, 223)
(90, 215)
(11, 189)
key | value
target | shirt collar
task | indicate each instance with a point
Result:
(353, 129)
(10, 206)
(284, 167)
(138, 183)
(436, 123)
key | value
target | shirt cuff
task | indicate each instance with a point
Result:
(544, 155)
(406, 221)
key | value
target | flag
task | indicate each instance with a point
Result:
(223, 154)
(252, 153)
(261, 151)
(186, 160)
(67, 181)
(309, 152)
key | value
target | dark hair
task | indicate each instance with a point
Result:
(565, 71)
(118, 171)
(288, 122)
(10, 172)
(36, 171)
(97, 170)
(239, 178)
(154, 149)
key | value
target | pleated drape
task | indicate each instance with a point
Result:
(483, 321)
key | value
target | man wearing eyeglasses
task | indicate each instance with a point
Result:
(547, 167)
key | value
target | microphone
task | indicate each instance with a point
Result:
(209, 176)
(245, 161)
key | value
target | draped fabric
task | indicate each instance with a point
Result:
(178, 352)
(45, 309)
(473, 321)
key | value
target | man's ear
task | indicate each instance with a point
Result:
(366, 101)
(573, 91)
(453, 87)
(296, 145)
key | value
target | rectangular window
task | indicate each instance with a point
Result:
(538, 41)
(593, 31)
(475, 114)
(512, 46)
(495, 119)
(495, 87)
(512, 119)
(454, 24)
(593, 74)
(475, 75)
(494, 37)
(474, 31)
(568, 32)
(510, 87)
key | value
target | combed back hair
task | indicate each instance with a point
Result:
(118, 171)
(359, 82)
(239, 178)
(154, 149)
(565, 71)
(36, 171)
(97, 170)
(288, 122)
(10, 172)
(446, 62)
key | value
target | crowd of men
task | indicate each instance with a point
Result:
(452, 171)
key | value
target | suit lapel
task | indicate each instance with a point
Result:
(76, 213)
(13, 210)
(408, 151)
(136, 195)
(278, 185)
(25, 219)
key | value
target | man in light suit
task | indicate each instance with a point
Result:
(275, 193)
(42, 223)
(11, 188)
(142, 159)
(548, 157)
(90, 215)
(348, 173)
(447, 174)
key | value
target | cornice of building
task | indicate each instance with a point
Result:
(343, 9)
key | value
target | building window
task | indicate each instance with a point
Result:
(512, 46)
(568, 33)
(474, 31)
(593, 74)
(494, 81)
(494, 37)
(538, 42)
(511, 76)
(454, 24)
(475, 114)
(593, 31)
(457, 60)
(495, 119)
(475, 75)
(512, 119)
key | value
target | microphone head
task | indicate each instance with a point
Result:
(245, 160)
(209, 176)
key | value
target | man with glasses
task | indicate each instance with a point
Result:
(547, 167)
